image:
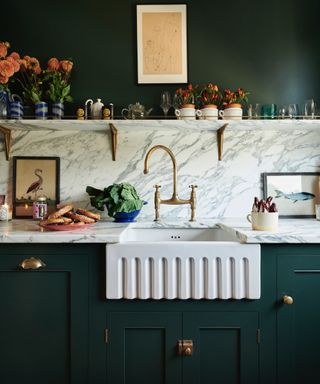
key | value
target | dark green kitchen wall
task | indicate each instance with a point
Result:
(269, 47)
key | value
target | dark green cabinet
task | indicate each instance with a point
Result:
(56, 325)
(226, 349)
(44, 316)
(298, 323)
(142, 347)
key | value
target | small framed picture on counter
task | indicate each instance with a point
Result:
(35, 177)
(294, 193)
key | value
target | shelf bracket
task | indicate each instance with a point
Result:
(7, 140)
(220, 140)
(114, 140)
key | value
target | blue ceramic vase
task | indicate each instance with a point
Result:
(4, 103)
(41, 110)
(57, 110)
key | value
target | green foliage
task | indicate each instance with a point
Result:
(58, 87)
(117, 198)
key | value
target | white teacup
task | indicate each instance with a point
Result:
(232, 113)
(209, 112)
(187, 113)
(263, 221)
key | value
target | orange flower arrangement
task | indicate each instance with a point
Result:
(234, 97)
(210, 95)
(30, 79)
(57, 76)
(9, 65)
(185, 96)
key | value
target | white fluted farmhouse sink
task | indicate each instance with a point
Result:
(182, 263)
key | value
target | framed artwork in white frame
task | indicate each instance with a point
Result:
(295, 193)
(162, 43)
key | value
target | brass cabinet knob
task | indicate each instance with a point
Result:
(185, 347)
(32, 263)
(187, 351)
(287, 300)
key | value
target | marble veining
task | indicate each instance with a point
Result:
(289, 231)
(225, 188)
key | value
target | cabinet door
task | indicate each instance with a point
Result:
(225, 348)
(298, 323)
(142, 348)
(43, 321)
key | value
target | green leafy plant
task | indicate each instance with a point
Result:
(117, 198)
(57, 77)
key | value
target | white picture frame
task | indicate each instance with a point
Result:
(162, 44)
(295, 193)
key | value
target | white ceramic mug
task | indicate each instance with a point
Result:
(187, 113)
(208, 112)
(231, 113)
(263, 221)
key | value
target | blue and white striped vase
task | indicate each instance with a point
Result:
(57, 110)
(15, 107)
(41, 110)
(4, 103)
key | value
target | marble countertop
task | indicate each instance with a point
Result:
(289, 231)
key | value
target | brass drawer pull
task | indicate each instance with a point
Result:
(32, 263)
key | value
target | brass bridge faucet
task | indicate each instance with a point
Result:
(174, 200)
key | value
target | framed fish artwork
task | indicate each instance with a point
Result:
(35, 177)
(295, 194)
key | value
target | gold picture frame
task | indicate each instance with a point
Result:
(162, 43)
(34, 177)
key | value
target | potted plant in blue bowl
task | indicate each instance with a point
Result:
(122, 201)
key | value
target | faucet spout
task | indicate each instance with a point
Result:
(174, 200)
(174, 165)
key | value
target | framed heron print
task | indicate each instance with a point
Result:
(35, 177)
(162, 43)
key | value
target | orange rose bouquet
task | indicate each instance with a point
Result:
(9, 65)
(57, 78)
(30, 79)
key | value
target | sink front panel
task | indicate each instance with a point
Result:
(183, 270)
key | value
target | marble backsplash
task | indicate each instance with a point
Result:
(225, 188)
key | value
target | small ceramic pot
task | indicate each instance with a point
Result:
(57, 110)
(209, 112)
(41, 110)
(263, 221)
(231, 112)
(187, 112)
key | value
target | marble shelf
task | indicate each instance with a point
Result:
(100, 125)
(114, 126)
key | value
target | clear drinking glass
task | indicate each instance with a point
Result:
(293, 111)
(166, 102)
(309, 109)
(282, 112)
